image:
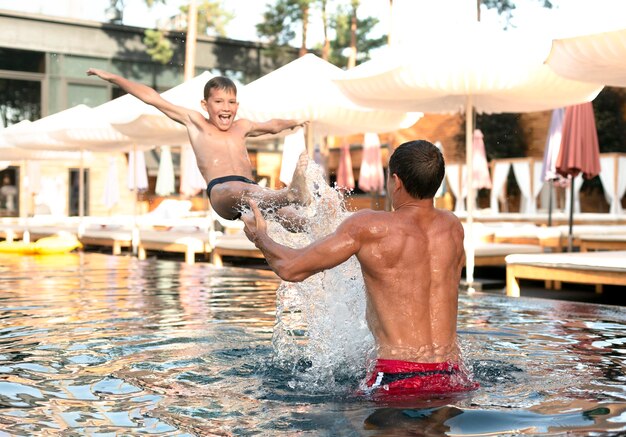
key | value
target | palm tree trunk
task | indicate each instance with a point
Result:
(326, 46)
(305, 28)
(353, 24)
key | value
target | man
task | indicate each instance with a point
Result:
(411, 259)
(219, 145)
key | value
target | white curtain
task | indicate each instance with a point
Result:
(500, 174)
(111, 193)
(612, 193)
(191, 180)
(621, 185)
(521, 170)
(607, 177)
(165, 183)
(137, 173)
(454, 183)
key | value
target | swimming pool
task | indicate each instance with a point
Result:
(103, 345)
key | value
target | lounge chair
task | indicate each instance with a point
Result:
(493, 254)
(589, 242)
(579, 267)
(233, 245)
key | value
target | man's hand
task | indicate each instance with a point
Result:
(255, 224)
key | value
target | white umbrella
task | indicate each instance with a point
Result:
(304, 90)
(59, 132)
(598, 58)
(165, 176)
(482, 70)
(9, 152)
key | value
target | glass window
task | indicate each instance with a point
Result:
(90, 95)
(22, 60)
(19, 100)
(77, 66)
(74, 190)
(9, 192)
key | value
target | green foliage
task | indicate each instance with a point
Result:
(151, 3)
(212, 17)
(340, 22)
(279, 22)
(608, 108)
(503, 136)
(159, 47)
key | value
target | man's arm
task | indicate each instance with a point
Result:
(295, 265)
(146, 95)
(273, 126)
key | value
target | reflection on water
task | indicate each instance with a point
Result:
(95, 344)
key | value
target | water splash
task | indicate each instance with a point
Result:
(321, 335)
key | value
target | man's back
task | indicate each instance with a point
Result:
(411, 260)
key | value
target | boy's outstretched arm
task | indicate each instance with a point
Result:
(296, 265)
(273, 126)
(145, 94)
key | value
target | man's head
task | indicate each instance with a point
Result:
(419, 165)
(220, 101)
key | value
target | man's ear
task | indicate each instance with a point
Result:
(397, 182)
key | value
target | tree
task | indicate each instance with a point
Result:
(608, 108)
(211, 17)
(342, 23)
(326, 44)
(159, 47)
(280, 21)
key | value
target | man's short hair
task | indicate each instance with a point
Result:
(219, 83)
(420, 166)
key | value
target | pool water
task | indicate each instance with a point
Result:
(92, 344)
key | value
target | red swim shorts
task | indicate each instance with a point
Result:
(401, 378)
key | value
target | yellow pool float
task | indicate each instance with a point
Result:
(44, 246)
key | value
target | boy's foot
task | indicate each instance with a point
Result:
(298, 192)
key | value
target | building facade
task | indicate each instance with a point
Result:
(43, 64)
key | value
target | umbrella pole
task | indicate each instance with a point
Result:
(81, 194)
(135, 232)
(570, 235)
(469, 156)
(550, 189)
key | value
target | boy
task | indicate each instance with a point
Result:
(219, 145)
